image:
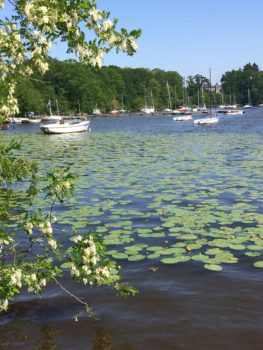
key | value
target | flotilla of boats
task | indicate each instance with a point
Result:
(55, 124)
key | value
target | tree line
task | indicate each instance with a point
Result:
(73, 87)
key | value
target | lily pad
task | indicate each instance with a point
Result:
(213, 267)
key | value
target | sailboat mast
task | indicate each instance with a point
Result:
(210, 92)
(184, 103)
(57, 107)
(145, 96)
(169, 96)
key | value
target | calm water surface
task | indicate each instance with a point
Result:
(135, 170)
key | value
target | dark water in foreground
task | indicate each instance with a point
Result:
(135, 161)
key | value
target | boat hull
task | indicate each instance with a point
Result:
(205, 121)
(183, 118)
(65, 128)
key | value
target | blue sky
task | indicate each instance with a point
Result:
(188, 36)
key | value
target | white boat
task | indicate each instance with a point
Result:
(34, 120)
(234, 112)
(212, 118)
(18, 120)
(249, 103)
(209, 120)
(96, 111)
(65, 126)
(183, 117)
(201, 108)
(146, 109)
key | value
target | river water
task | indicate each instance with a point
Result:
(141, 182)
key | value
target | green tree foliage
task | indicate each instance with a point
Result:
(72, 83)
(237, 82)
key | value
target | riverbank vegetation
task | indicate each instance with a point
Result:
(75, 87)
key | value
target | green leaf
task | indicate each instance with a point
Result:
(176, 259)
(258, 264)
(213, 267)
(66, 265)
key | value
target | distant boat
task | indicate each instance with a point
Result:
(249, 103)
(122, 110)
(96, 111)
(74, 125)
(201, 108)
(183, 117)
(114, 110)
(211, 119)
(19, 120)
(231, 105)
(234, 112)
(6, 125)
(185, 108)
(51, 117)
(169, 103)
(147, 109)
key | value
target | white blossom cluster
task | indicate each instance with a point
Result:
(5, 242)
(10, 107)
(24, 45)
(4, 305)
(90, 271)
(46, 228)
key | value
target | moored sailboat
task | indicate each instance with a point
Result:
(212, 118)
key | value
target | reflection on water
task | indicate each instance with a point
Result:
(135, 174)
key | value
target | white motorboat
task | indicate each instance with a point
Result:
(18, 120)
(96, 111)
(65, 126)
(209, 120)
(235, 112)
(184, 117)
(148, 110)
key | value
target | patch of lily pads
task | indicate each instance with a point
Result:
(195, 197)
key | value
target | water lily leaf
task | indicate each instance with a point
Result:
(137, 257)
(258, 264)
(176, 259)
(144, 231)
(153, 256)
(213, 267)
(119, 255)
(252, 254)
(237, 246)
